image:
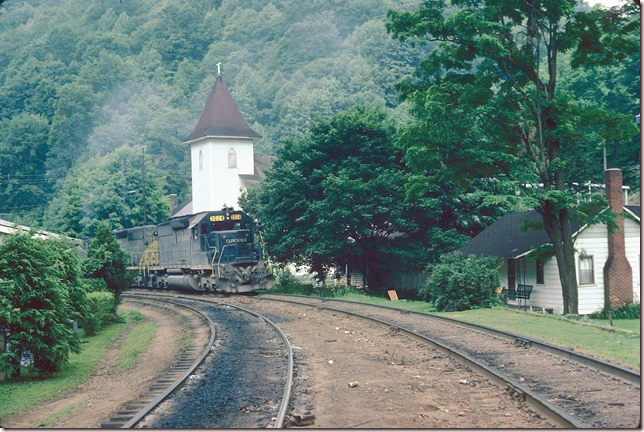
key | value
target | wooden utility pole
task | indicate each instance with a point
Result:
(124, 180)
(145, 209)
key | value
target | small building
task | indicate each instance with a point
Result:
(606, 264)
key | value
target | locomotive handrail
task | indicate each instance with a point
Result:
(219, 261)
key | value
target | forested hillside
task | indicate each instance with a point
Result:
(84, 85)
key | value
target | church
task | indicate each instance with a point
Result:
(223, 160)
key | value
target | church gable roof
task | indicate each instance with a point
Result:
(221, 116)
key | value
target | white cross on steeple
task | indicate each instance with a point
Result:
(218, 69)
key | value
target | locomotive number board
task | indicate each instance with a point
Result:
(221, 218)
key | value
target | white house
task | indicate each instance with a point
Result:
(505, 240)
(222, 156)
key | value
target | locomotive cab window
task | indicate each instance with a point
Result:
(232, 158)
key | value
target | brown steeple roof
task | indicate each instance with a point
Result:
(221, 117)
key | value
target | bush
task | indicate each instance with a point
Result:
(101, 306)
(627, 311)
(107, 261)
(94, 285)
(460, 283)
(38, 302)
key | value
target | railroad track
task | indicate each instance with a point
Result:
(185, 366)
(597, 394)
(165, 385)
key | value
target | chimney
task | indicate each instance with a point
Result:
(618, 275)
(173, 203)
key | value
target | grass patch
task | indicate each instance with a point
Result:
(19, 395)
(55, 417)
(626, 324)
(623, 347)
(134, 343)
(617, 346)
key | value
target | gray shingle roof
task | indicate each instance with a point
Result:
(505, 239)
(221, 116)
(635, 210)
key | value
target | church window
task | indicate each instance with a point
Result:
(200, 160)
(232, 158)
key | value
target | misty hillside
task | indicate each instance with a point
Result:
(83, 85)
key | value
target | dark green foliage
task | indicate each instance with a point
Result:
(461, 283)
(106, 260)
(23, 148)
(337, 197)
(108, 189)
(488, 102)
(101, 306)
(627, 311)
(105, 75)
(38, 304)
(94, 285)
(68, 264)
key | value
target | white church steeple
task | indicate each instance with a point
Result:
(221, 150)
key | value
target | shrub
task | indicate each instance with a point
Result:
(107, 261)
(460, 283)
(38, 304)
(627, 311)
(94, 285)
(101, 306)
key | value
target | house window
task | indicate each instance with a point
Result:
(586, 270)
(540, 272)
(200, 160)
(232, 158)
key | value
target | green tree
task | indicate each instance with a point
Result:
(68, 264)
(487, 103)
(70, 128)
(37, 310)
(336, 197)
(108, 188)
(106, 260)
(23, 147)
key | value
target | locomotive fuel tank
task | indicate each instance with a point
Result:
(181, 282)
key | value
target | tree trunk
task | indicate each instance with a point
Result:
(557, 225)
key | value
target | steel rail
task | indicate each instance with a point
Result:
(281, 413)
(625, 374)
(172, 387)
(556, 415)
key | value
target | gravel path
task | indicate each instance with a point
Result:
(594, 398)
(238, 386)
(398, 382)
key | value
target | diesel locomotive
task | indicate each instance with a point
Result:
(210, 251)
